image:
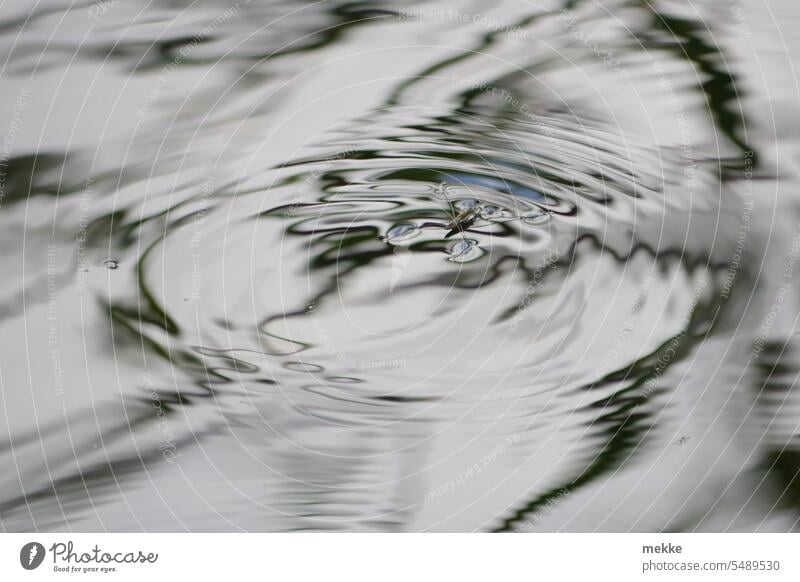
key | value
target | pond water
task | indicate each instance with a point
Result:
(392, 266)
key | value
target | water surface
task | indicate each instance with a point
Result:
(380, 266)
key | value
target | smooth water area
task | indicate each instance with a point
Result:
(392, 266)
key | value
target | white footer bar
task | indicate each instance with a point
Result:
(401, 557)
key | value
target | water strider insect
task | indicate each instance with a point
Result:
(463, 220)
(465, 213)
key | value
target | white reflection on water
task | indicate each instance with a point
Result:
(329, 266)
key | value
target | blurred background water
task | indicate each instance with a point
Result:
(382, 266)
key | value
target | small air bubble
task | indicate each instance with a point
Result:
(111, 264)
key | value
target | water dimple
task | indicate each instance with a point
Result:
(536, 217)
(401, 232)
(463, 250)
(490, 212)
(467, 204)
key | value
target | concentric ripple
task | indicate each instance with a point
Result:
(341, 269)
